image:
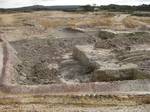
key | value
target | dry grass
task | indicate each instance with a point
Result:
(46, 23)
(76, 20)
(1, 21)
(52, 20)
(129, 22)
(143, 19)
(91, 21)
(6, 20)
(95, 22)
(27, 25)
(57, 19)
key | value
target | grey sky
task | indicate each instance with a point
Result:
(20, 3)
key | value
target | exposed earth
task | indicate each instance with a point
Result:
(55, 47)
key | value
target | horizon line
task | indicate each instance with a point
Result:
(68, 5)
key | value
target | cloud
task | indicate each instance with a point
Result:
(15, 3)
(20, 3)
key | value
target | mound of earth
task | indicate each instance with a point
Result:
(123, 56)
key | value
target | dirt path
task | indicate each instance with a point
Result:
(117, 21)
(120, 17)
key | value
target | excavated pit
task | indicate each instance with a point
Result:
(49, 61)
(57, 60)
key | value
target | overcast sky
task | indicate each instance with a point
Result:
(21, 3)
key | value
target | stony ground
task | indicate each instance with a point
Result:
(46, 59)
